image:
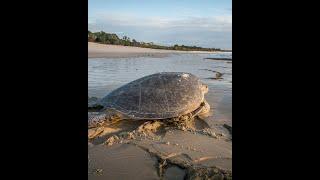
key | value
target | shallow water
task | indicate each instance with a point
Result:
(106, 75)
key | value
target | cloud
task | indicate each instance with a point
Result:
(216, 23)
(190, 30)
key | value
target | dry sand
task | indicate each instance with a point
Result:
(96, 50)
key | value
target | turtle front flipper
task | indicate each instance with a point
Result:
(203, 110)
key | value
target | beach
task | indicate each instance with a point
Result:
(158, 151)
(96, 50)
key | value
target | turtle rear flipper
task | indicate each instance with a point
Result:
(96, 119)
(105, 118)
(94, 132)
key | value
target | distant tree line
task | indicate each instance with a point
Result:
(108, 38)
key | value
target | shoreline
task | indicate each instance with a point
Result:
(220, 59)
(96, 50)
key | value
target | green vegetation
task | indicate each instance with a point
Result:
(107, 38)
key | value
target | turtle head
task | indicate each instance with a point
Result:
(204, 88)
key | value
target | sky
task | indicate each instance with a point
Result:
(206, 23)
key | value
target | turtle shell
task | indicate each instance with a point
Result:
(157, 96)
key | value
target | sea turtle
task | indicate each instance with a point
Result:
(158, 96)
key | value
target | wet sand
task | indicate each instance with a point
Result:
(96, 50)
(166, 152)
(112, 163)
